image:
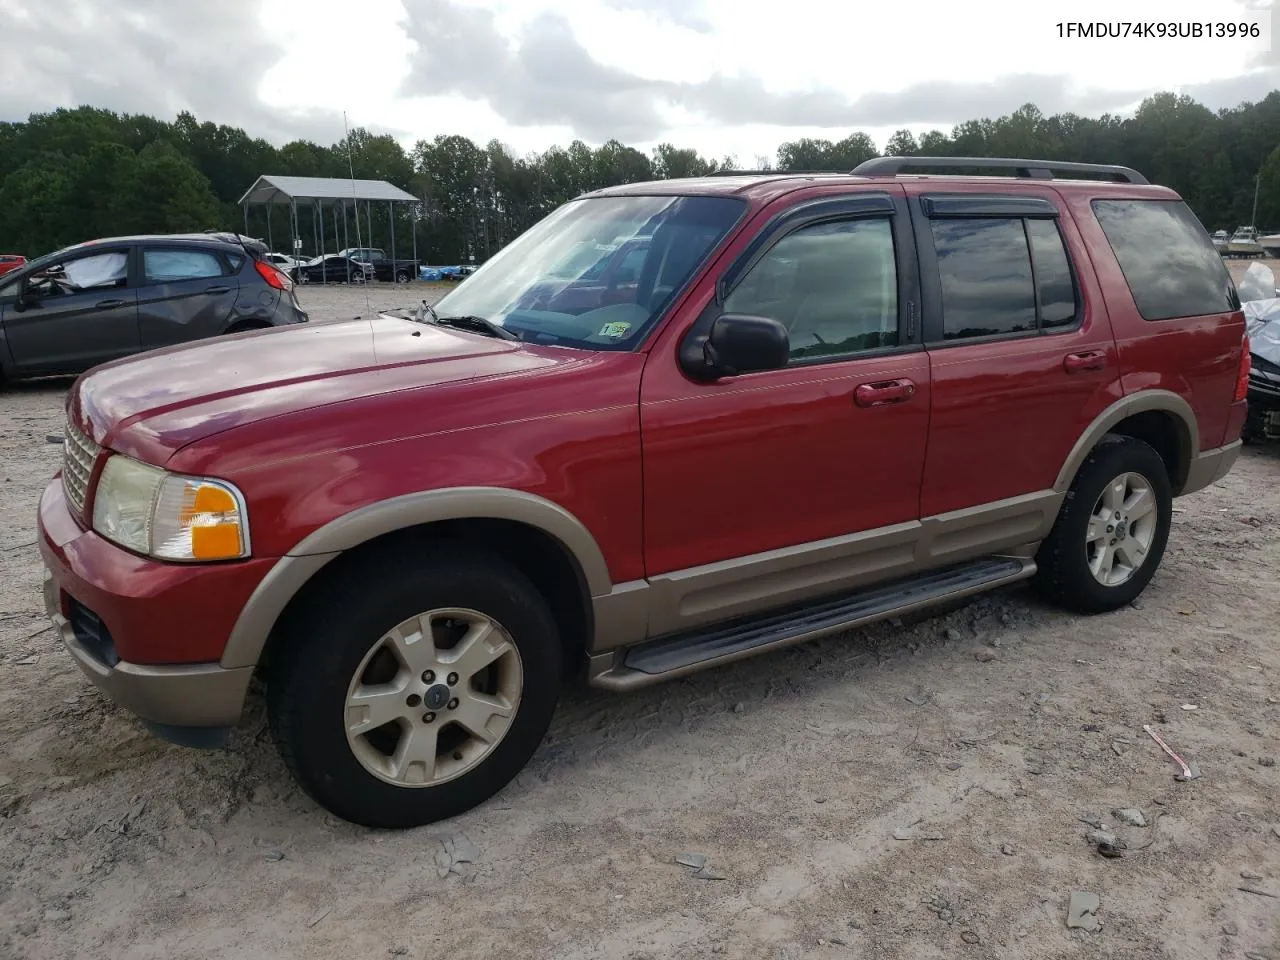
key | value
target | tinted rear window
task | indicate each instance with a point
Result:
(1167, 257)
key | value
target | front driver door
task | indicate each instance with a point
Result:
(73, 314)
(783, 485)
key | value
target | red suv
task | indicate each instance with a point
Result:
(828, 400)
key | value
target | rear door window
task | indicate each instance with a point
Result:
(987, 284)
(169, 266)
(1167, 258)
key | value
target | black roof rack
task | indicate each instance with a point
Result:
(776, 173)
(1032, 169)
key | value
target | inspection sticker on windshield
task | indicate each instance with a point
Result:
(615, 331)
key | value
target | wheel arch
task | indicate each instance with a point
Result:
(1160, 418)
(548, 543)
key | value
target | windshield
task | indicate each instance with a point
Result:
(562, 282)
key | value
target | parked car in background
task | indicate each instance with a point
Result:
(1261, 304)
(11, 261)
(283, 261)
(384, 268)
(106, 299)
(332, 268)
(830, 400)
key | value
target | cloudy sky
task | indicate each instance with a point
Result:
(726, 76)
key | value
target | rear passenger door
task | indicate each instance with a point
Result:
(1021, 350)
(187, 293)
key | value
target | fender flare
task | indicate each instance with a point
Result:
(292, 571)
(1146, 401)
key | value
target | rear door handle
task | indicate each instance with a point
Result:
(217, 289)
(1081, 362)
(108, 304)
(884, 391)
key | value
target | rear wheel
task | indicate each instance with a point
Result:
(417, 688)
(1112, 530)
(402, 277)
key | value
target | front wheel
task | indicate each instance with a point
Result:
(415, 688)
(1112, 530)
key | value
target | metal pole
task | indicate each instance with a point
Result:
(293, 228)
(246, 217)
(391, 221)
(314, 235)
(320, 252)
(336, 233)
(368, 210)
(413, 223)
(270, 243)
(346, 239)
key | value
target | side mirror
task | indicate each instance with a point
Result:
(737, 344)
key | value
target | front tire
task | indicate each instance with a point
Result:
(416, 687)
(1111, 532)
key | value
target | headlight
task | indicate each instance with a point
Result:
(171, 517)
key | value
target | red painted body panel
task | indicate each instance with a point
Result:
(157, 612)
(1006, 413)
(1197, 358)
(777, 458)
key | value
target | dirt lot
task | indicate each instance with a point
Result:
(835, 787)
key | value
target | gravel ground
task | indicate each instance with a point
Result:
(906, 791)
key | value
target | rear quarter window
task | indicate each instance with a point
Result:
(1167, 258)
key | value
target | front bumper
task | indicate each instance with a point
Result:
(112, 609)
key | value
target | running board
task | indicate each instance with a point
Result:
(695, 650)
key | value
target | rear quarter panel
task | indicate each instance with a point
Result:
(1197, 358)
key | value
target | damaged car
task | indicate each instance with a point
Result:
(1261, 308)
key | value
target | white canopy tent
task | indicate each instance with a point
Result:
(319, 194)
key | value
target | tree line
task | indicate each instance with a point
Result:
(76, 174)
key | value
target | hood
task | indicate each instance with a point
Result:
(168, 398)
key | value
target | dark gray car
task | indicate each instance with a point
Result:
(98, 301)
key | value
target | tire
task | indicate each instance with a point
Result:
(402, 277)
(1065, 575)
(321, 665)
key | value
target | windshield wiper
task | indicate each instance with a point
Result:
(475, 325)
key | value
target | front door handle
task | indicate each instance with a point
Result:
(1081, 362)
(884, 391)
(108, 304)
(217, 289)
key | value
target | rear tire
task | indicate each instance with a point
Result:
(1111, 532)
(356, 657)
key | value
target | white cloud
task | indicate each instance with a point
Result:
(725, 76)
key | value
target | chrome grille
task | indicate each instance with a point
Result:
(78, 456)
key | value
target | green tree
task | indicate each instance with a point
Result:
(902, 144)
(163, 192)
